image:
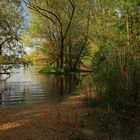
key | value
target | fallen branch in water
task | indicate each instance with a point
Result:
(7, 73)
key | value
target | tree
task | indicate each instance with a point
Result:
(49, 10)
(11, 21)
(116, 64)
(11, 27)
(63, 30)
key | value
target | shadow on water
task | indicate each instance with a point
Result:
(104, 121)
(27, 86)
(107, 126)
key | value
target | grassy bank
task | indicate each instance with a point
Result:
(53, 70)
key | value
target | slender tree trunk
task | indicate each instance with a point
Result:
(0, 99)
(62, 53)
(127, 30)
(70, 54)
(57, 63)
(0, 50)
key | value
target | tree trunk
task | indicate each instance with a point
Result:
(129, 30)
(0, 50)
(62, 53)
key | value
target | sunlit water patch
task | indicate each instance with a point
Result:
(27, 86)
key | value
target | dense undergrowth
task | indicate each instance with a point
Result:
(117, 78)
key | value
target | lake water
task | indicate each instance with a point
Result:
(27, 86)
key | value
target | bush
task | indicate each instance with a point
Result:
(117, 74)
(51, 70)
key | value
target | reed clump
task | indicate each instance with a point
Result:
(117, 77)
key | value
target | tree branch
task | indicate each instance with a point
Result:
(71, 17)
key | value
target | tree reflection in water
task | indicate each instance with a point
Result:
(28, 86)
(61, 86)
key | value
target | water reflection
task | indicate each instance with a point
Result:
(122, 125)
(28, 86)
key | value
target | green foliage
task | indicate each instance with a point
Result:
(51, 70)
(117, 64)
(9, 60)
(100, 102)
(11, 27)
(62, 38)
(118, 75)
(65, 43)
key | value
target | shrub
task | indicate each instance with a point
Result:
(117, 74)
(51, 70)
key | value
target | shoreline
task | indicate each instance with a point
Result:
(68, 120)
(35, 122)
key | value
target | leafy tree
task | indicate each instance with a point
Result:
(117, 64)
(11, 21)
(62, 29)
(11, 27)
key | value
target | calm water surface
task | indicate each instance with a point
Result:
(27, 86)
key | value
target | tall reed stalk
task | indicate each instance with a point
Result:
(118, 75)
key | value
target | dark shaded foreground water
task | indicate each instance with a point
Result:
(27, 86)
